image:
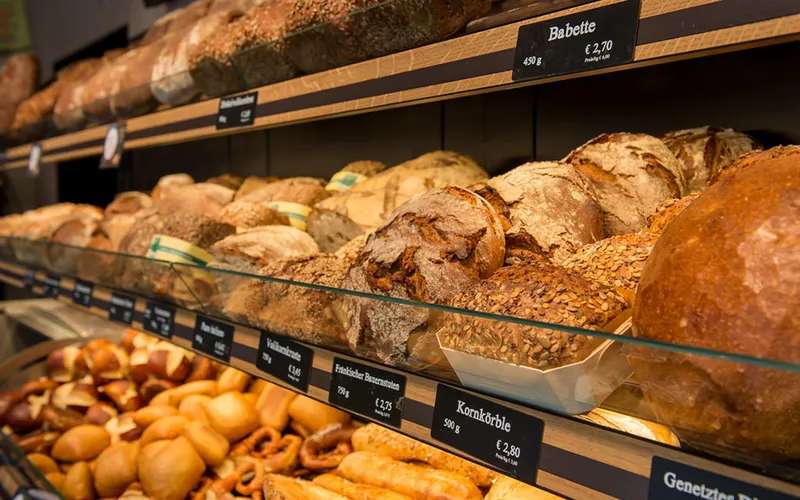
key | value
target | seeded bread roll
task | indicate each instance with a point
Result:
(614, 265)
(435, 245)
(725, 276)
(168, 183)
(365, 206)
(247, 215)
(632, 174)
(250, 250)
(275, 306)
(667, 211)
(19, 77)
(540, 293)
(547, 208)
(704, 151)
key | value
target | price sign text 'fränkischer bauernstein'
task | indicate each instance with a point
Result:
(585, 41)
(285, 359)
(213, 338)
(372, 392)
(509, 440)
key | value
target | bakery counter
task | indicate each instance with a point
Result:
(318, 64)
(571, 401)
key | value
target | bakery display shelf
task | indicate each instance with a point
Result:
(19, 479)
(482, 61)
(574, 458)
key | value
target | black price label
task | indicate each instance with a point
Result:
(82, 293)
(29, 279)
(159, 319)
(672, 480)
(113, 146)
(285, 359)
(585, 41)
(213, 338)
(121, 308)
(52, 286)
(508, 439)
(237, 111)
(374, 393)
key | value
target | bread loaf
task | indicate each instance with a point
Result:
(435, 245)
(230, 181)
(240, 5)
(98, 89)
(349, 252)
(19, 77)
(353, 173)
(340, 218)
(252, 183)
(202, 198)
(279, 487)
(176, 20)
(510, 489)
(75, 232)
(247, 215)
(614, 265)
(168, 183)
(632, 174)
(128, 202)
(170, 80)
(725, 276)
(547, 208)
(250, 250)
(292, 197)
(131, 93)
(667, 211)
(68, 108)
(743, 162)
(30, 118)
(536, 292)
(704, 151)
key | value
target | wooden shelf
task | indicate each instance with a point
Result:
(577, 459)
(480, 62)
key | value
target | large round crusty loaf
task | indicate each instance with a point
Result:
(435, 245)
(340, 218)
(704, 151)
(632, 174)
(168, 183)
(19, 77)
(537, 292)
(725, 276)
(547, 208)
(128, 202)
(252, 249)
(303, 190)
(203, 198)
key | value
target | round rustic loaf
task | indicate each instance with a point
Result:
(250, 250)
(547, 208)
(365, 206)
(249, 214)
(749, 159)
(614, 265)
(230, 181)
(725, 276)
(704, 151)
(667, 211)
(542, 293)
(128, 202)
(252, 183)
(632, 174)
(169, 182)
(203, 198)
(435, 245)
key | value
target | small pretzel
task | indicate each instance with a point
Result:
(286, 457)
(327, 448)
(256, 483)
(260, 442)
(202, 488)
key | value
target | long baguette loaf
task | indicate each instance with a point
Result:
(278, 487)
(355, 490)
(383, 441)
(510, 489)
(412, 480)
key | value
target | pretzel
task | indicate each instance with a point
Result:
(286, 456)
(222, 488)
(202, 488)
(259, 443)
(327, 448)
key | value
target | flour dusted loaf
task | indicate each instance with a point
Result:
(704, 151)
(19, 77)
(725, 276)
(547, 208)
(250, 250)
(632, 174)
(328, 34)
(434, 246)
(340, 218)
(537, 292)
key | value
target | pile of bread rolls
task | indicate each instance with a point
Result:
(147, 419)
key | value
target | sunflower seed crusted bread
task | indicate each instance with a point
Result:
(667, 211)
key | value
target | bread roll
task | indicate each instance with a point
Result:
(632, 174)
(536, 292)
(510, 489)
(437, 244)
(547, 208)
(247, 215)
(313, 416)
(19, 77)
(725, 276)
(273, 406)
(173, 472)
(411, 480)
(704, 151)
(389, 443)
(168, 183)
(70, 234)
(250, 250)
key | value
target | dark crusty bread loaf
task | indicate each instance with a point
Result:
(19, 78)
(725, 276)
(704, 151)
(329, 34)
(537, 292)
(632, 174)
(547, 208)
(435, 245)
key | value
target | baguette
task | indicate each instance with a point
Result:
(412, 480)
(355, 491)
(278, 487)
(383, 441)
(510, 489)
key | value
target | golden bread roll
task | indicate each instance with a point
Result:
(313, 415)
(273, 406)
(173, 472)
(355, 491)
(278, 487)
(232, 415)
(115, 469)
(81, 443)
(210, 444)
(510, 489)
(78, 483)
